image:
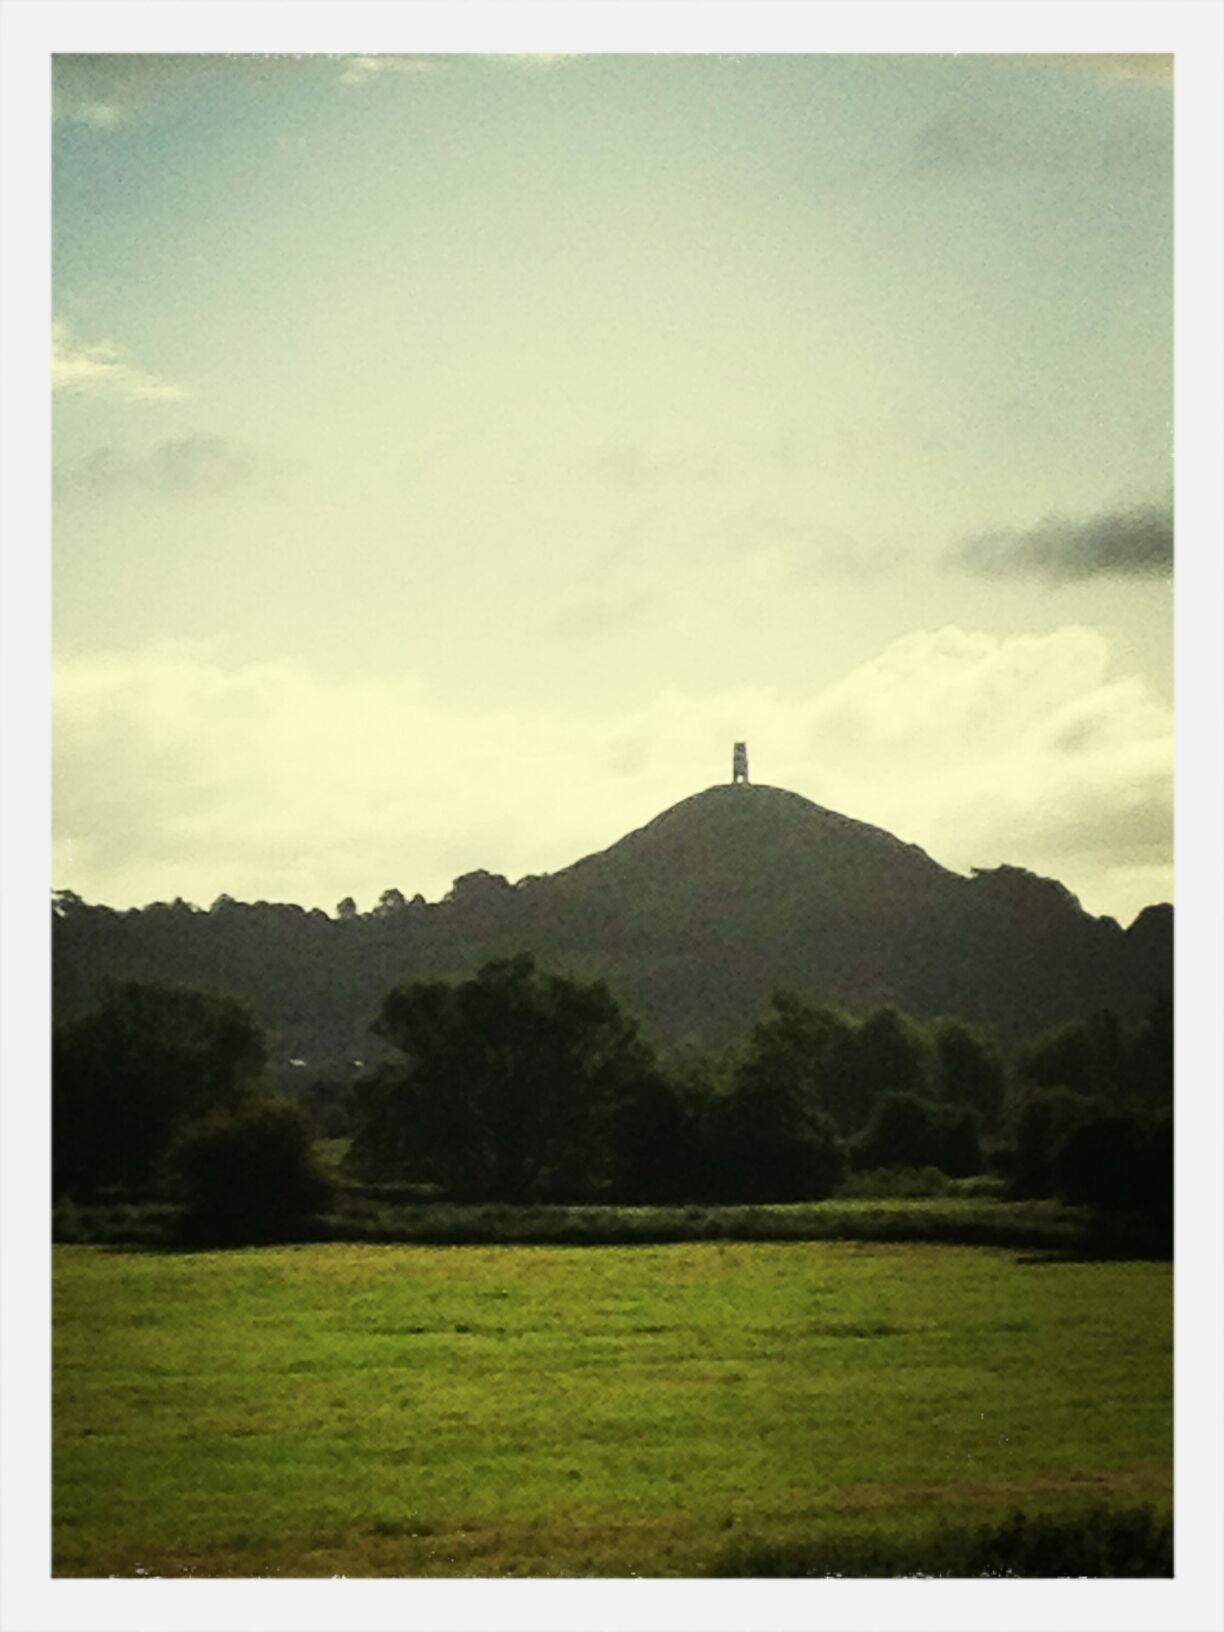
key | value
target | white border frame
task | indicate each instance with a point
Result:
(31, 31)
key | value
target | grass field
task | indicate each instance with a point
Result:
(412, 1410)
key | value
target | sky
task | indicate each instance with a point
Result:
(455, 455)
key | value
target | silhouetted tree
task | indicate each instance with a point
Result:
(1044, 1120)
(956, 1144)
(510, 1084)
(390, 901)
(657, 1131)
(901, 1133)
(969, 1069)
(891, 1057)
(1148, 1068)
(766, 1139)
(346, 908)
(1085, 1056)
(127, 1075)
(812, 1054)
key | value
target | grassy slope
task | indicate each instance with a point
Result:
(392, 1410)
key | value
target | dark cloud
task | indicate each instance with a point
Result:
(968, 143)
(198, 465)
(1123, 543)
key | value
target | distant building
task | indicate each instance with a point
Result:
(739, 763)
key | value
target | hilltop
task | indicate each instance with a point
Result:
(693, 919)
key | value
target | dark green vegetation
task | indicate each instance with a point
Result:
(694, 921)
(1101, 1541)
(527, 1089)
(155, 1096)
(663, 1411)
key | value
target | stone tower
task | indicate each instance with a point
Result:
(739, 763)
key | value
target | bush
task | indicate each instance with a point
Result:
(247, 1172)
(1112, 1543)
(889, 1183)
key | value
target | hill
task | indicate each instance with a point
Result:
(693, 919)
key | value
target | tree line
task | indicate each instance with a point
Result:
(520, 1085)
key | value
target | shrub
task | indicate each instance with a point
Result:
(1113, 1543)
(247, 1172)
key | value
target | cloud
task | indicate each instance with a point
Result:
(592, 616)
(79, 368)
(198, 465)
(359, 71)
(362, 70)
(177, 774)
(629, 467)
(800, 545)
(1135, 542)
(636, 467)
(532, 61)
(97, 115)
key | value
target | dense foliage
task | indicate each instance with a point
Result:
(523, 1086)
(509, 1085)
(128, 1075)
(246, 1170)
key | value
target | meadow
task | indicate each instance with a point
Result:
(362, 1410)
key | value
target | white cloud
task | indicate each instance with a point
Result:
(176, 775)
(532, 59)
(361, 70)
(80, 368)
(97, 115)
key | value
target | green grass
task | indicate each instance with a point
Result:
(413, 1410)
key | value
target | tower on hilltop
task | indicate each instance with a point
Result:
(739, 763)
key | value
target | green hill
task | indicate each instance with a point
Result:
(693, 919)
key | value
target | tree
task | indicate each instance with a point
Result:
(1045, 1119)
(246, 1171)
(768, 1138)
(509, 1084)
(764, 1145)
(891, 1056)
(1085, 1056)
(1120, 1161)
(969, 1069)
(126, 1076)
(810, 1052)
(901, 1133)
(657, 1130)
(390, 901)
(1148, 1067)
(956, 1142)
